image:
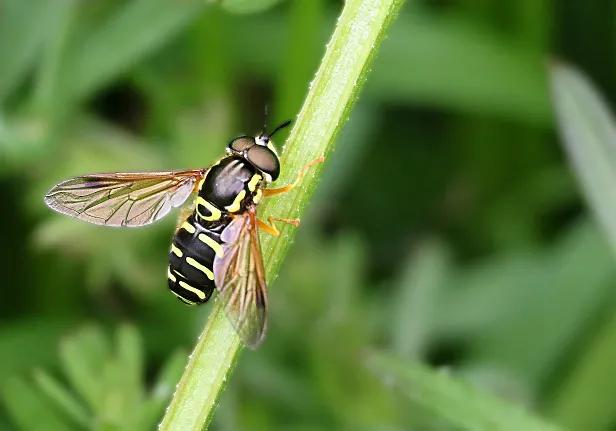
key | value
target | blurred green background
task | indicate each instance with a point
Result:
(447, 229)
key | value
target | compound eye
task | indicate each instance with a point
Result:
(265, 160)
(241, 144)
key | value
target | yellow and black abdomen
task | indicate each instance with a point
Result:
(229, 187)
(194, 247)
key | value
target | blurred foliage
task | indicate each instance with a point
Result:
(448, 228)
(108, 380)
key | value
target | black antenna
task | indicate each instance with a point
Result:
(282, 126)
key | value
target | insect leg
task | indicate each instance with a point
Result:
(271, 228)
(270, 192)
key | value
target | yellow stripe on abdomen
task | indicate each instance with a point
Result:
(192, 262)
(188, 227)
(212, 244)
(189, 288)
(170, 276)
(176, 251)
(184, 300)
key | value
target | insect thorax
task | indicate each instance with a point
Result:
(230, 186)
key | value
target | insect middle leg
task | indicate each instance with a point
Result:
(271, 228)
(270, 192)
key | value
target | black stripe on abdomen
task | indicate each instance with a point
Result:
(194, 247)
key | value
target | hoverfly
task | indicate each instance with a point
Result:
(216, 243)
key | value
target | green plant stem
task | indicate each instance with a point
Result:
(361, 27)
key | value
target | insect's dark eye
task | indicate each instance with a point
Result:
(265, 160)
(241, 144)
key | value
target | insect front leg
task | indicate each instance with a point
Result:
(270, 192)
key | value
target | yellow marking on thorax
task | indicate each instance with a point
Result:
(212, 244)
(192, 262)
(171, 276)
(176, 251)
(188, 227)
(202, 181)
(235, 206)
(216, 214)
(188, 287)
(252, 184)
(257, 197)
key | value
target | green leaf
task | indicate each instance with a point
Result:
(130, 357)
(361, 27)
(153, 408)
(46, 93)
(345, 162)
(28, 409)
(589, 136)
(415, 304)
(248, 6)
(137, 29)
(23, 28)
(84, 357)
(127, 374)
(31, 343)
(588, 132)
(461, 67)
(56, 393)
(507, 303)
(304, 21)
(111, 385)
(427, 61)
(584, 401)
(22, 141)
(455, 402)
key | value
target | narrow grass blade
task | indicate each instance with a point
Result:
(361, 27)
(23, 27)
(416, 299)
(28, 409)
(457, 403)
(589, 136)
(305, 21)
(83, 357)
(58, 394)
(48, 75)
(430, 60)
(584, 401)
(588, 131)
(137, 29)
(128, 373)
(171, 372)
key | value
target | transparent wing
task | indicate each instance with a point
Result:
(240, 278)
(123, 199)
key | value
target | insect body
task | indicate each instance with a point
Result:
(217, 245)
(230, 187)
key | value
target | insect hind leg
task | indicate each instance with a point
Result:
(271, 228)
